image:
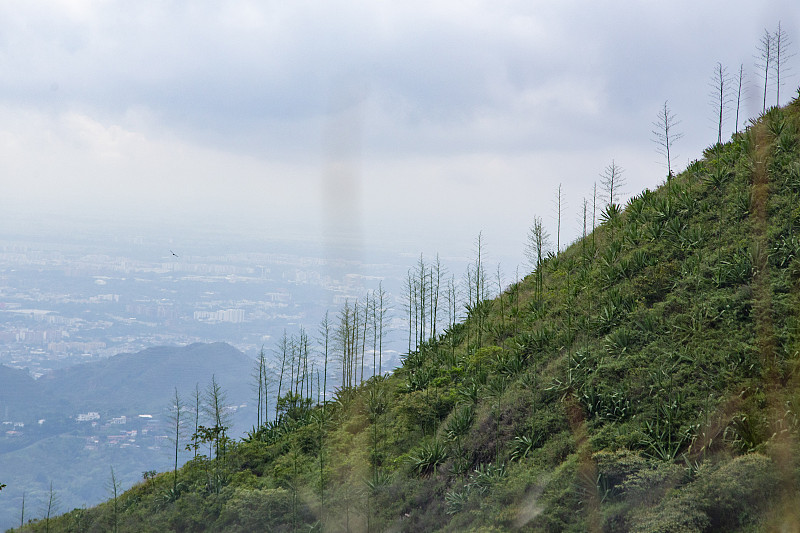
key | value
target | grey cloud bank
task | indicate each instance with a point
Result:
(455, 116)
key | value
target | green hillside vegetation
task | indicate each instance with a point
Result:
(643, 379)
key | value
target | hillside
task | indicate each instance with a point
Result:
(14, 384)
(77, 456)
(127, 383)
(145, 380)
(644, 379)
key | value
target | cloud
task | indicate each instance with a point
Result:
(240, 103)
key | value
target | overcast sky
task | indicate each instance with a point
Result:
(412, 124)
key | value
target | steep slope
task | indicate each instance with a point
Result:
(645, 379)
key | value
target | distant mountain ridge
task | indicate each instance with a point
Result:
(142, 381)
(13, 384)
(146, 380)
(35, 453)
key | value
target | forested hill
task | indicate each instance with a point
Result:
(49, 443)
(127, 383)
(644, 379)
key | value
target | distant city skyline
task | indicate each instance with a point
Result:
(65, 303)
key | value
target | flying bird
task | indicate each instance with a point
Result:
(173, 253)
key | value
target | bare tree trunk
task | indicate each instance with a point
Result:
(382, 310)
(558, 220)
(374, 333)
(436, 280)
(364, 335)
(283, 347)
(500, 298)
(663, 135)
(480, 285)
(782, 43)
(177, 407)
(51, 507)
(114, 490)
(421, 283)
(718, 84)
(765, 49)
(594, 213)
(215, 410)
(195, 444)
(739, 95)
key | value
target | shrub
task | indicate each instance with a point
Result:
(459, 422)
(256, 510)
(428, 457)
(737, 269)
(456, 500)
(486, 475)
(718, 176)
(619, 341)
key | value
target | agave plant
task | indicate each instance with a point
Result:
(419, 379)
(685, 201)
(610, 255)
(635, 209)
(787, 141)
(659, 444)
(742, 202)
(511, 363)
(632, 235)
(522, 446)
(639, 260)
(610, 215)
(745, 433)
(379, 480)
(486, 475)
(456, 500)
(691, 237)
(609, 316)
(469, 392)
(170, 495)
(648, 324)
(783, 252)
(665, 209)
(718, 176)
(776, 121)
(654, 230)
(618, 341)
(377, 402)
(428, 457)
(673, 229)
(792, 180)
(696, 168)
(460, 422)
(536, 310)
(537, 341)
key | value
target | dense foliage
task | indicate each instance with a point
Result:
(643, 379)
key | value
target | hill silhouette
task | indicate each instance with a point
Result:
(14, 384)
(127, 384)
